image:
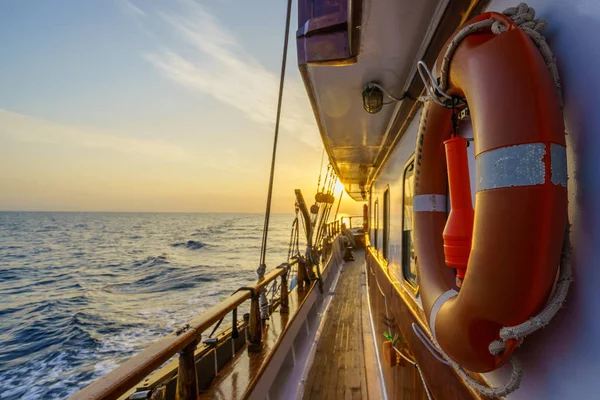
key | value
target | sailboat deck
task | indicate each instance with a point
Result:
(339, 369)
(237, 378)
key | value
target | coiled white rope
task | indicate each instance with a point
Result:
(422, 336)
(434, 89)
(263, 301)
(519, 332)
(416, 365)
(427, 392)
(545, 316)
(436, 351)
(524, 17)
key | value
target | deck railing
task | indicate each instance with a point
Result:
(184, 342)
(334, 228)
(354, 221)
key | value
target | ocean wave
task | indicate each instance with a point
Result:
(14, 256)
(163, 281)
(152, 261)
(10, 247)
(210, 231)
(190, 244)
(9, 275)
(213, 230)
(49, 228)
(54, 367)
(93, 295)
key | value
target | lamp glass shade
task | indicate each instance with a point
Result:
(372, 99)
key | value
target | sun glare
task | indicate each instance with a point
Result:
(339, 186)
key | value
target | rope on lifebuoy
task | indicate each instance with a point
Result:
(520, 331)
(545, 316)
(524, 17)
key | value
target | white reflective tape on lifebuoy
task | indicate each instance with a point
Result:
(520, 165)
(437, 305)
(430, 202)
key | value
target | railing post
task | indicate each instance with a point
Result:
(301, 274)
(285, 301)
(187, 380)
(312, 275)
(255, 325)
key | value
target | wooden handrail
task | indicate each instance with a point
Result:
(134, 370)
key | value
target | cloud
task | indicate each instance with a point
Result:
(26, 128)
(219, 66)
(128, 8)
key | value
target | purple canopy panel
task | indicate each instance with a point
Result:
(329, 31)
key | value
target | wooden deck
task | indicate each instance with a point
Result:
(237, 378)
(338, 370)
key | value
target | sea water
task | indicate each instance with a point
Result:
(80, 293)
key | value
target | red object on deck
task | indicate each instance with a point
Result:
(459, 227)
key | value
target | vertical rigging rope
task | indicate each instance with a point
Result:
(263, 249)
(321, 169)
(338, 207)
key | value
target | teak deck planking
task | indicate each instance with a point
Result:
(338, 370)
(235, 380)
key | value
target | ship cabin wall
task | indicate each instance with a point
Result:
(393, 283)
(388, 191)
(562, 360)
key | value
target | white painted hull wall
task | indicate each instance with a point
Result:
(561, 361)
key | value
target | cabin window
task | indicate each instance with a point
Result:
(409, 266)
(386, 222)
(371, 224)
(376, 225)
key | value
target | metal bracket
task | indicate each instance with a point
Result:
(140, 395)
(183, 329)
(464, 114)
(211, 341)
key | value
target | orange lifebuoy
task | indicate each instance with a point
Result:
(521, 195)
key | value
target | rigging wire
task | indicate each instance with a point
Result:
(338, 207)
(263, 249)
(321, 169)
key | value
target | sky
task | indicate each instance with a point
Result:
(151, 105)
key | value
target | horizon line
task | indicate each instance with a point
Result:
(140, 212)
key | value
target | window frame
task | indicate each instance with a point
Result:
(413, 288)
(376, 224)
(371, 215)
(385, 243)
